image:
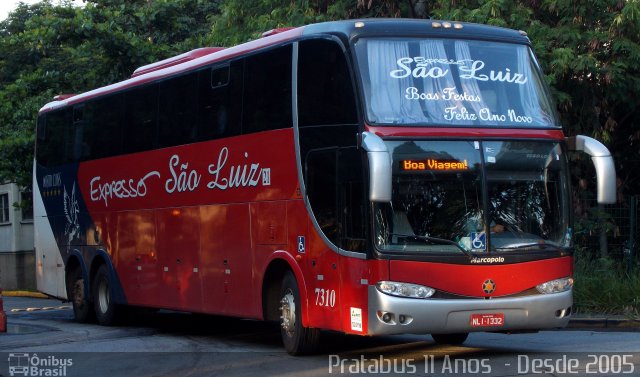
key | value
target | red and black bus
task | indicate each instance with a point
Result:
(367, 176)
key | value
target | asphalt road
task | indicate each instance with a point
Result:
(44, 338)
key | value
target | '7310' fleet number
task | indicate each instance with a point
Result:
(325, 297)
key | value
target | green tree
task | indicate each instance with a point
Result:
(48, 49)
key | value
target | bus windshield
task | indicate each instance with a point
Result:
(481, 196)
(450, 82)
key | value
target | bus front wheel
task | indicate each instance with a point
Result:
(297, 339)
(106, 310)
(450, 339)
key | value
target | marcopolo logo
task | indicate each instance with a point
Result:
(24, 364)
(488, 260)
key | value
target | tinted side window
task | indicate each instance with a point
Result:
(220, 101)
(79, 149)
(351, 199)
(325, 91)
(320, 174)
(103, 127)
(55, 148)
(267, 91)
(141, 116)
(178, 107)
(333, 178)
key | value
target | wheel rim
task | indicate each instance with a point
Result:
(103, 295)
(288, 312)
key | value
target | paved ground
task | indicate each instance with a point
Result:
(177, 344)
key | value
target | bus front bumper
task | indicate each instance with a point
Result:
(446, 316)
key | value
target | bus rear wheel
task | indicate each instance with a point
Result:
(297, 339)
(106, 310)
(82, 308)
(450, 339)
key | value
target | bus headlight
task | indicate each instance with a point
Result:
(405, 289)
(555, 286)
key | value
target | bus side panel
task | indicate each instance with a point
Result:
(323, 283)
(240, 299)
(269, 232)
(49, 270)
(297, 245)
(226, 260)
(132, 239)
(356, 277)
(178, 246)
(147, 203)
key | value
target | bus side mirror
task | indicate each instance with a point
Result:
(603, 162)
(379, 168)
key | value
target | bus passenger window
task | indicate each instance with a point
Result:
(219, 101)
(141, 119)
(177, 110)
(80, 149)
(55, 148)
(267, 91)
(102, 129)
(325, 90)
(219, 76)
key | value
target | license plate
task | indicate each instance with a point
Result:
(487, 320)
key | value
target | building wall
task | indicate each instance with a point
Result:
(17, 263)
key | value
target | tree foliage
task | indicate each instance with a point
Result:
(48, 49)
(590, 52)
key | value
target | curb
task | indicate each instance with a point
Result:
(23, 294)
(604, 323)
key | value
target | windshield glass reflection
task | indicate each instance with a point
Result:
(480, 196)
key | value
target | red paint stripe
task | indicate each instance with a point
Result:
(553, 134)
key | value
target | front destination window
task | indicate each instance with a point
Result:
(478, 196)
(452, 82)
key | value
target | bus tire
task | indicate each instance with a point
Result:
(80, 299)
(102, 288)
(450, 339)
(297, 339)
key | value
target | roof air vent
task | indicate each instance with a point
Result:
(62, 97)
(276, 31)
(187, 56)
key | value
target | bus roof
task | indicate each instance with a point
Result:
(393, 27)
(346, 30)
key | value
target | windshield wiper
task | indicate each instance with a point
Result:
(529, 246)
(436, 240)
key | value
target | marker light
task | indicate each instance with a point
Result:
(405, 289)
(555, 286)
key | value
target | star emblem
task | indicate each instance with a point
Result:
(488, 286)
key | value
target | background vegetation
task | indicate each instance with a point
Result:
(589, 50)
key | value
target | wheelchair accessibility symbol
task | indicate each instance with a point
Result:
(478, 241)
(301, 247)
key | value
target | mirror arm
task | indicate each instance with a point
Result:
(603, 162)
(379, 168)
